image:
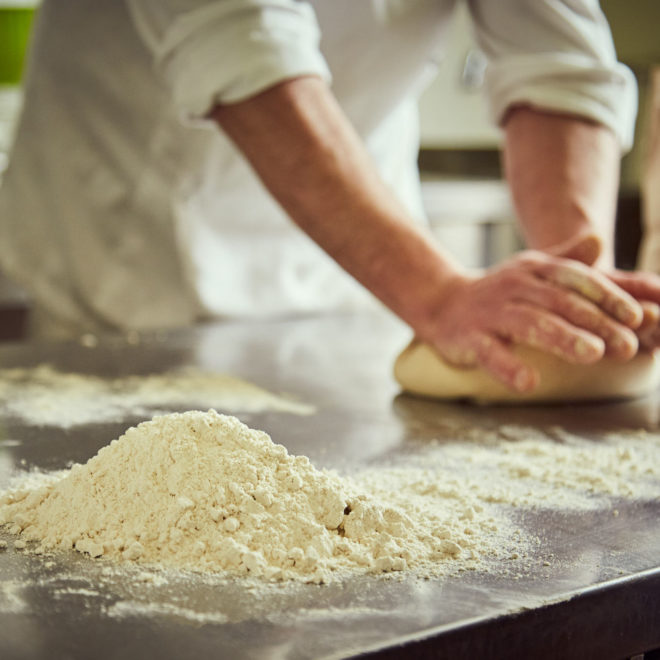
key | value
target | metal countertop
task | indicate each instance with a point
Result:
(598, 598)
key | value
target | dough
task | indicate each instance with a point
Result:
(420, 370)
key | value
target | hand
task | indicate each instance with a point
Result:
(547, 302)
(644, 287)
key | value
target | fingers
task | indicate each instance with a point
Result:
(620, 341)
(532, 326)
(642, 286)
(540, 329)
(645, 287)
(522, 324)
(648, 332)
(586, 248)
(590, 284)
(493, 355)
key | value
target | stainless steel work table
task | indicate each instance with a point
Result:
(599, 599)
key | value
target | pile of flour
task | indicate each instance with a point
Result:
(202, 491)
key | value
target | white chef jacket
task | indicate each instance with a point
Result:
(123, 208)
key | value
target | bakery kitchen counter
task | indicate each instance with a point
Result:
(578, 486)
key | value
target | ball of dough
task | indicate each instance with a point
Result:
(419, 369)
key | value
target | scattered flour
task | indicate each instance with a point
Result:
(45, 396)
(323, 614)
(202, 491)
(11, 597)
(75, 591)
(544, 468)
(135, 608)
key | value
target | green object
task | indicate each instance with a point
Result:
(15, 26)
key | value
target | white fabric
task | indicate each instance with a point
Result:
(123, 208)
(227, 51)
(558, 55)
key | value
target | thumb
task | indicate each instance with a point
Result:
(584, 247)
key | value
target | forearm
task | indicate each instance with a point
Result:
(308, 156)
(306, 153)
(564, 176)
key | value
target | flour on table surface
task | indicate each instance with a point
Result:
(202, 491)
(11, 597)
(75, 591)
(134, 608)
(45, 396)
(323, 614)
(548, 468)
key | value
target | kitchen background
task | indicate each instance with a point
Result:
(464, 194)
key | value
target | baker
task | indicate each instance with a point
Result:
(180, 161)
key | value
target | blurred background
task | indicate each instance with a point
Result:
(16, 18)
(465, 197)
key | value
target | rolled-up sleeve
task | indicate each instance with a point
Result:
(225, 51)
(555, 55)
